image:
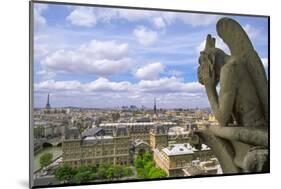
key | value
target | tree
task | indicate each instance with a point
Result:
(141, 173)
(84, 168)
(110, 172)
(128, 171)
(139, 162)
(146, 167)
(46, 159)
(64, 173)
(156, 173)
(118, 171)
(93, 176)
(102, 171)
(147, 157)
(82, 176)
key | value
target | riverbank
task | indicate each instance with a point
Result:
(55, 150)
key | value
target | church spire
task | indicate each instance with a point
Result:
(154, 108)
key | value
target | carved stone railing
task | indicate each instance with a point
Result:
(220, 140)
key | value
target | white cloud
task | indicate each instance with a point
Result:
(46, 75)
(40, 46)
(198, 19)
(103, 84)
(135, 15)
(170, 85)
(150, 71)
(39, 19)
(159, 22)
(51, 85)
(145, 36)
(82, 16)
(163, 19)
(99, 85)
(175, 73)
(159, 19)
(162, 85)
(40, 50)
(88, 17)
(105, 49)
(170, 92)
(102, 58)
(251, 31)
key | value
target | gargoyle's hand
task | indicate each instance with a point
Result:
(200, 75)
(208, 74)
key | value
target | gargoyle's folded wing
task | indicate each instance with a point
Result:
(240, 46)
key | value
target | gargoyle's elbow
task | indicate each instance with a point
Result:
(222, 121)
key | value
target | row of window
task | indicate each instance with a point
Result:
(120, 161)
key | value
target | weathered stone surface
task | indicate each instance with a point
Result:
(241, 107)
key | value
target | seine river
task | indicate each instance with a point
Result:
(55, 150)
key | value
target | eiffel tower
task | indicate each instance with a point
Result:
(154, 107)
(48, 106)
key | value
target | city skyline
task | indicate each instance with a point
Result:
(109, 57)
(153, 106)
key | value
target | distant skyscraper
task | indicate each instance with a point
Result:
(154, 108)
(48, 106)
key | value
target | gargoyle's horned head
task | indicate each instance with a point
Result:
(210, 42)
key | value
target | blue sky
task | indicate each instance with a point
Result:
(109, 57)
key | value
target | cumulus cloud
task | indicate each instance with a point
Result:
(159, 22)
(175, 73)
(82, 16)
(40, 50)
(103, 84)
(251, 31)
(105, 49)
(163, 19)
(40, 46)
(170, 85)
(39, 19)
(52, 85)
(135, 15)
(102, 58)
(89, 16)
(170, 92)
(99, 85)
(198, 19)
(46, 75)
(150, 71)
(145, 36)
(162, 85)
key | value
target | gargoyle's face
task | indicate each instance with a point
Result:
(209, 58)
(199, 70)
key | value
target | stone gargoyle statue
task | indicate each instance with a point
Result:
(240, 142)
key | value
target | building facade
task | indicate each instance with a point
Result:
(121, 142)
(95, 150)
(175, 158)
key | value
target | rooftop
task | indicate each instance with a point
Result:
(135, 124)
(98, 138)
(92, 132)
(178, 149)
